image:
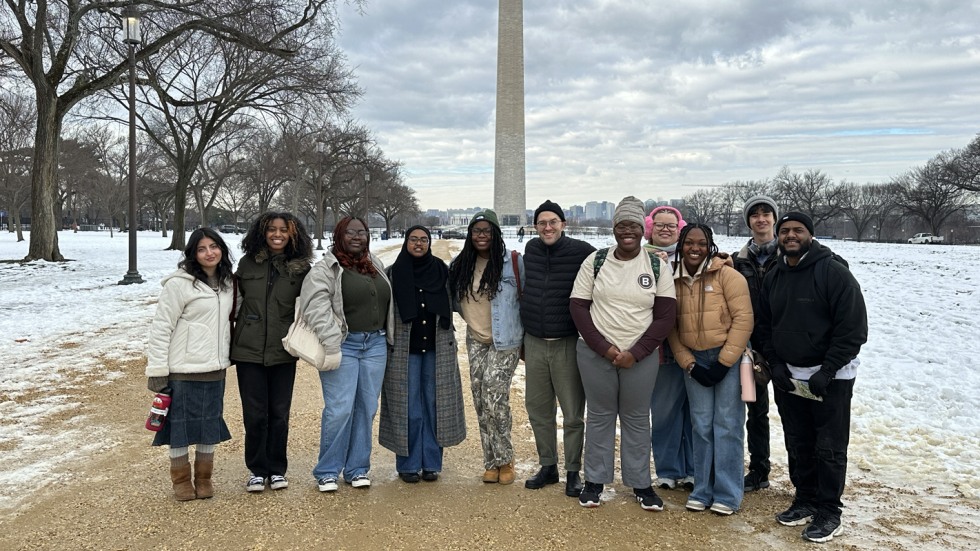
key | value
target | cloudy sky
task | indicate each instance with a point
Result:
(657, 99)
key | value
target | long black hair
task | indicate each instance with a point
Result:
(299, 246)
(678, 258)
(190, 264)
(463, 267)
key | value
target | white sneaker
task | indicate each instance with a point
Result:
(327, 484)
(695, 505)
(721, 509)
(666, 483)
(255, 484)
(278, 482)
(361, 481)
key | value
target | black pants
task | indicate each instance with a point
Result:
(757, 431)
(267, 395)
(817, 435)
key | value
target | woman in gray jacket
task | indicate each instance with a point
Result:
(346, 299)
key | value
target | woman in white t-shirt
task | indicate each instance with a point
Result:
(623, 306)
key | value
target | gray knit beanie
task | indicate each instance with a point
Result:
(630, 209)
(759, 200)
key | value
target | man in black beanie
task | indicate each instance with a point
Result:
(551, 262)
(812, 322)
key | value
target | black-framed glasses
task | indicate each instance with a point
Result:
(481, 231)
(665, 226)
(423, 240)
(556, 223)
(356, 233)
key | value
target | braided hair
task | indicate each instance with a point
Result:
(712, 252)
(299, 246)
(463, 267)
(190, 264)
(361, 264)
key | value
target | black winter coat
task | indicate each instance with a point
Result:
(812, 314)
(550, 274)
(748, 266)
(267, 291)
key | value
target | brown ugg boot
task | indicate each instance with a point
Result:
(203, 464)
(180, 475)
(507, 474)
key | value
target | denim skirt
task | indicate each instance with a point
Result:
(195, 416)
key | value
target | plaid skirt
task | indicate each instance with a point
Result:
(195, 416)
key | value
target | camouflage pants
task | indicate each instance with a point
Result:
(491, 372)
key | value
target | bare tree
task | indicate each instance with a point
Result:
(966, 167)
(393, 197)
(729, 201)
(69, 50)
(702, 206)
(929, 192)
(17, 116)
(811, 192)
(867, 206)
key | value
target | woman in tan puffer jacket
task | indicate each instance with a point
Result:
(714, 322)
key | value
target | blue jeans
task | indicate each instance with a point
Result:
(424, 452)
(671, 431)
(350, 401)
(718, 417)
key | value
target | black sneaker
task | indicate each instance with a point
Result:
(590, 495)
(798, 514)
(410, 478)
(648, 499)
(756, 481)
(823, 529)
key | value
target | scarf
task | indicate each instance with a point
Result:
(408, 274)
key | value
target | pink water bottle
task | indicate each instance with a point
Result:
(158, 411)
(746, 372)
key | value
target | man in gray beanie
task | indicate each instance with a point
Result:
(630, 209)
(753, 261)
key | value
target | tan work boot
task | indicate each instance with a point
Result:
(180, 475)
(492, 475)
(203, 465)
(507, 474)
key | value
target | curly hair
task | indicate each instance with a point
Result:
(299, 246)
(190, 264)
(463, 267)
(361, 264)
(712, 252)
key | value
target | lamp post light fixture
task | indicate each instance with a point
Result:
(131, 37)
(321, 152)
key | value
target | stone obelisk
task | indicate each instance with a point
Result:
(508, 168)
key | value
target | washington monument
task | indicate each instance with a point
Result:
(508, 168)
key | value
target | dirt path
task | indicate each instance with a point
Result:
(119, 497)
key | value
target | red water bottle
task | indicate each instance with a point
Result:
(158, 410)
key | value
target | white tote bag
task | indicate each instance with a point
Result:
(301, 341)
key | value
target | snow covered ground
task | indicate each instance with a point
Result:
(914, 419)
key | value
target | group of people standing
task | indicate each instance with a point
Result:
(648, 332)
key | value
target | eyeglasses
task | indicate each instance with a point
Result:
(664, 226)
(422, 240)
(356, 233)
(556, 223)
(481, 231)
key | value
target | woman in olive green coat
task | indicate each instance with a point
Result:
(278, 253)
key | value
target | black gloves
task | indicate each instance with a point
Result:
(780, 376)
(709, 376)
(820, 380)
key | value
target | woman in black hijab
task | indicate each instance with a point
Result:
(422, 396)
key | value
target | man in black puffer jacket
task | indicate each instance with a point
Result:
(551, 262)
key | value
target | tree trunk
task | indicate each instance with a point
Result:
(179, 241)
(44, 233)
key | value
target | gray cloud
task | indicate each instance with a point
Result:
(627, 96)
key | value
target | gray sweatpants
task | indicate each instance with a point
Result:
(611, 392)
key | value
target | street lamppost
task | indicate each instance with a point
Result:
(367, 205)
(131, 36)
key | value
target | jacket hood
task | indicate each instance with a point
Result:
(292, 267)
(179, 274)
(817, 252)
